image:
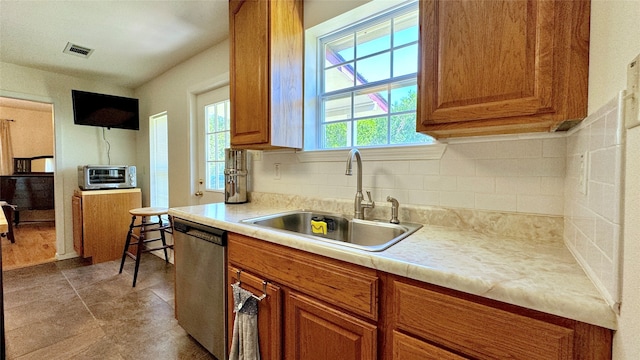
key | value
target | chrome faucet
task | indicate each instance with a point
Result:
(359, 203)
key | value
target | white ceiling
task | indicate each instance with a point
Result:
(133, 41)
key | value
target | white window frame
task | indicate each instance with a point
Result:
(227, 104)
(156, 158)
(311, 151)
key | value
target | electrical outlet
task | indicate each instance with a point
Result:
(584, 173)
(276, 171)
(632, 111)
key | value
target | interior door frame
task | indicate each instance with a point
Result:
(62, 252)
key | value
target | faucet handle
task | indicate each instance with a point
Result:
(369, 204)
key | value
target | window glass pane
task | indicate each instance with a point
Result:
(220, 175)
(404, 98)
(211, 147)
(373, 69)
(335, 135)
(339, 77)
(371, 132)
(405, 29)
(337, 108)
(339, 51)
(405, 60)
(220, 145)
(221, 123)
(210, 115)
(371, 102)
(403, 130)
(368, 94)
(373, 39)
(211, 176)
(159, 161)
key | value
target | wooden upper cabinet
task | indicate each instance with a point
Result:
(495, 67)
(266, 75)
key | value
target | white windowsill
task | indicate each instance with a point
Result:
(416, 152)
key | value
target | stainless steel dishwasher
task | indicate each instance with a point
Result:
(200, 261)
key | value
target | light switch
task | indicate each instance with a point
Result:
(632, 97)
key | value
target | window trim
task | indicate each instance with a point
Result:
(333, 28)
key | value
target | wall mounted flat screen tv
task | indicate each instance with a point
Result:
(105, 110)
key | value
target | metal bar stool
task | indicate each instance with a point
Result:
(146, 225)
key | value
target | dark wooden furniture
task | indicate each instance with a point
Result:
(27, 192)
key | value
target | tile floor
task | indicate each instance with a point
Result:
(73, 310)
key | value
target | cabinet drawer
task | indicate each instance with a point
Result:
(348, 286)
(477, 330)
(408, 348)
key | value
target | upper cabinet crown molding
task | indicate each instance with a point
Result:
(497, 67)
(266, 77)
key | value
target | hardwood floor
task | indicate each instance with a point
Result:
(35, 244)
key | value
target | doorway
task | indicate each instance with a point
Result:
(213, 109)
(26, 182)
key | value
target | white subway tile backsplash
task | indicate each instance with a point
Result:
(518, 185)
(411, 182)
(478, 150)
(540, 204)
(496, 202)
(457, 199)
(552, 186)
(519, 149)
(458, 167)
(476, 184)
(424, 167)
(596, 215)
(554, 147)
(602, 165)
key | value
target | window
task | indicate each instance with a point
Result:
(217, 138)
(367, 83)
(159, 160)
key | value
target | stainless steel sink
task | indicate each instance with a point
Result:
(361, 234)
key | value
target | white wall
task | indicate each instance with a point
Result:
(615, 41)
(74, 145)
(31, 132)
(174, 92)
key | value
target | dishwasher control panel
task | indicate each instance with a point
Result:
(200, 231)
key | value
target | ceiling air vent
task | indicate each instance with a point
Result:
(77, 50)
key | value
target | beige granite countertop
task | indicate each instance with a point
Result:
(539, 273)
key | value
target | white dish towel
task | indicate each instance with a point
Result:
(244, 345)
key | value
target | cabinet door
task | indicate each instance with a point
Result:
(249, 75)
(409, 348)
(76, 208)
(315, 331)
(506, 66)
(269, 312)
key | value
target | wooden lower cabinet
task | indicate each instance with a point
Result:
(269, 309)
(319, 308)
(322, 302)
(427, 319)
(316, 331)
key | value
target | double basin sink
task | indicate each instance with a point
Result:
(369, 235)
